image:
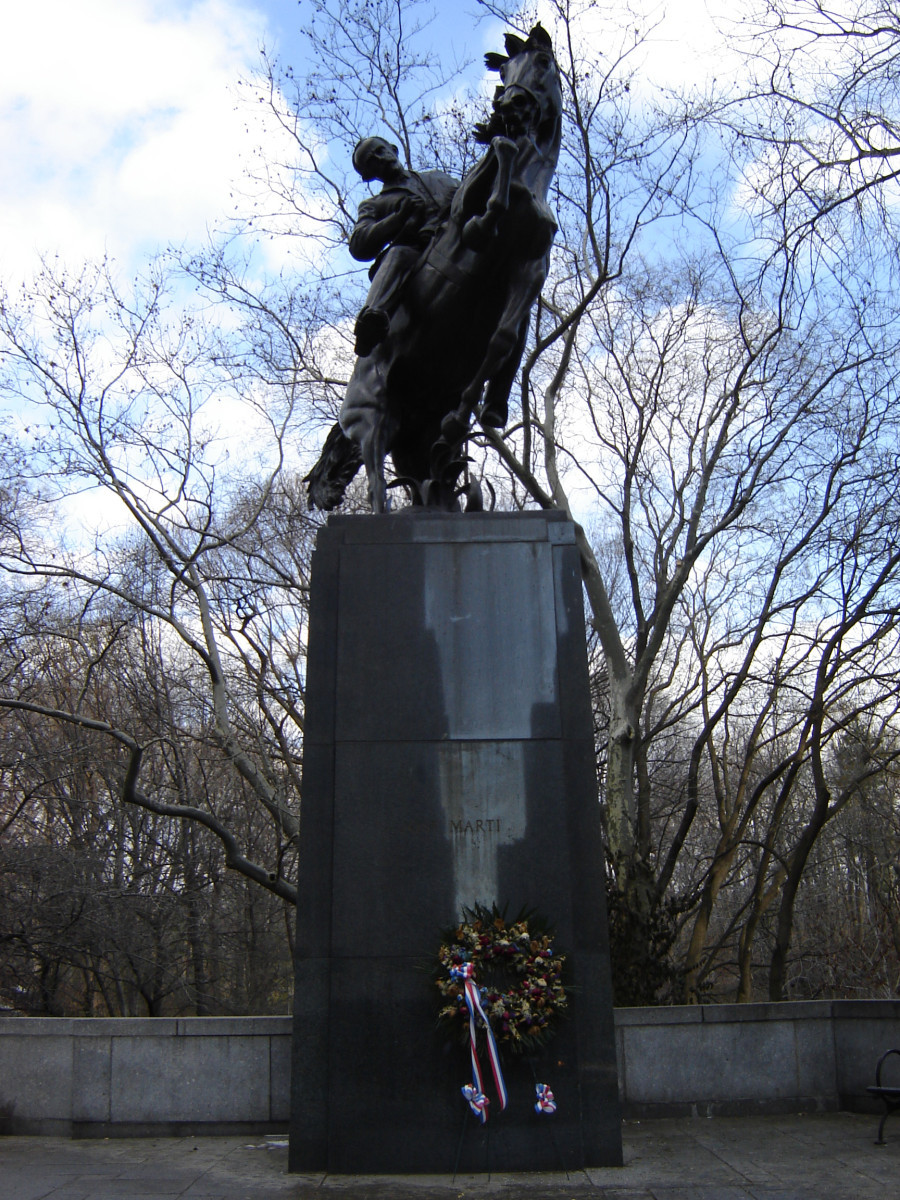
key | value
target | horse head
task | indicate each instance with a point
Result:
(529, 99)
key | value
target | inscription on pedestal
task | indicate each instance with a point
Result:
(483, 797)
(477, 828)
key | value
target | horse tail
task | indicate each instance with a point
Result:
(338, 463)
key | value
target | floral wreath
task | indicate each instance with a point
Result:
(517, 972)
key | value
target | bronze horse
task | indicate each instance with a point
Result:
(458, 332)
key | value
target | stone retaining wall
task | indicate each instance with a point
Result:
(739, 1059)
(102, 1077)
(98, 1077)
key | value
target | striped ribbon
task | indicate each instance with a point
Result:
(474, 1093)
(545, 1101)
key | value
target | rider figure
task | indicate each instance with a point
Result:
(393, 228)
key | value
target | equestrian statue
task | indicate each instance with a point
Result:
(456, 270)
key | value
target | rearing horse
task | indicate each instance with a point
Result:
(458, 331)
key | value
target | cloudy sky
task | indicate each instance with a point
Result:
(118, 122)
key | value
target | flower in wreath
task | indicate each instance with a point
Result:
(517, 970)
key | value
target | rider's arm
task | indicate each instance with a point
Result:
(373, 231)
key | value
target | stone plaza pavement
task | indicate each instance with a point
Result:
(824, 1157)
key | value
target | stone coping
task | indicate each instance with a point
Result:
(145, 1026)
(268, 1026)
(787, 1010)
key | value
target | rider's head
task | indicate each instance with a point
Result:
(373, 156)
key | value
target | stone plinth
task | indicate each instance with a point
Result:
(448, 760)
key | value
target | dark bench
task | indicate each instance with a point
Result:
(890, 1095)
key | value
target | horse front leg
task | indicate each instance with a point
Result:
(504, 350)
(503, 344)
(479, 229)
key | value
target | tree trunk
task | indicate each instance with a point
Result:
(715, 879)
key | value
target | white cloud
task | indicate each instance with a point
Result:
(118, 128)
(687, 47)
(680, 43)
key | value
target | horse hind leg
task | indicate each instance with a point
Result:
(374, 451)
(367, 421)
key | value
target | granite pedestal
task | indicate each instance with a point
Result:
(448, 760)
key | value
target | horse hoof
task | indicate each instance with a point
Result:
(453, 428)
(474, 497)
(494, 416)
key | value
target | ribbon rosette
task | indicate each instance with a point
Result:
(545, 1101)
(478, 1101)
(474, 1093)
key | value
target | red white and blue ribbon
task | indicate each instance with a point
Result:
(478, 1101)
(545, 1101)
(474, 1093)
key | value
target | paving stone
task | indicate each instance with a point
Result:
(712, 1192)
(35, 1184)
(824, 1157)
(12, 1192)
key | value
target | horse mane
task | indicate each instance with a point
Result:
(538, 38)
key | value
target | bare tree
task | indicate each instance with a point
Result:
(707, 389)
(118, 395)
(111, 908)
